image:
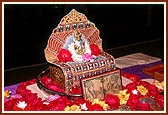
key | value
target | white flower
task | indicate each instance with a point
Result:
(135, 92)
(21, 104)
(83, 106)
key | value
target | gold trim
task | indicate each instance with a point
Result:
(73, 17)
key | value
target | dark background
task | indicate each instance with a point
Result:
(27, 27)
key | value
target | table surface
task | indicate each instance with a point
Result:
(19, 74)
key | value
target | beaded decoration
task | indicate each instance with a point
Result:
(69, 74)
(70, 24)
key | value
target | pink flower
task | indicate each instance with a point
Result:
(13, 97)
(52, 98)
(87, 57)
(51, 84)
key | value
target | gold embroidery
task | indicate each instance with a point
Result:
(74, 17)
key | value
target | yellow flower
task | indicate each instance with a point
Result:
(72, 108)
(67, 108)
(101, 103)
(123, 96)
(142, 90)
(75, 108)
(95, 101)
(159, 85)
(7, 93)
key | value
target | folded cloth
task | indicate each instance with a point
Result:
(137, 69)
(135, 59)
(34, 89)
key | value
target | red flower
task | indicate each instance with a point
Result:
(144, 83)
(8, 106)
(30, 97)
(160, 100)
(15, 108)
(78, 100)
(113, 101)
(132, 77)
(51, 84)
(145, 107)
(131, 86)
(95, 50)
(65, 56)
(152, 90)
(59, 104)
(37, 104)
(133, 102)
(95, 107)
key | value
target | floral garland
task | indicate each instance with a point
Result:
(133, 95)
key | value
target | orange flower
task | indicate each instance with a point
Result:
(159, 85)
(101, 103)
(72, 108)
(142, 90)
(7, 93)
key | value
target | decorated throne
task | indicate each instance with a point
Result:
(74, 52)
